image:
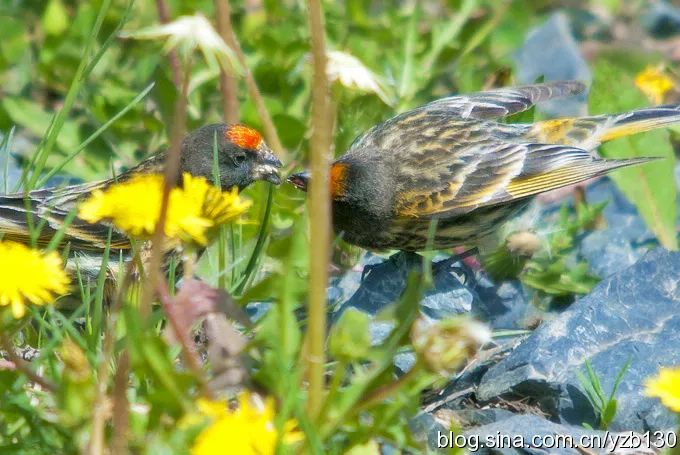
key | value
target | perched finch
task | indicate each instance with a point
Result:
(243, 157)
(453, 161)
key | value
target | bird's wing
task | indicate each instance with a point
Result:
(45, 211)
(456, 183)
(502, 102)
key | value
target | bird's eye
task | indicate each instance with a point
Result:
(239, 157)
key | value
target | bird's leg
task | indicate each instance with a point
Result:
(399, 260)
(460, 257)
(474, 251)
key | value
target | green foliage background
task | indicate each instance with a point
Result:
(422, 50)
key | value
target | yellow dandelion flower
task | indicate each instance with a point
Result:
(193, 209)
(133, 205)
(248, 429)
(27, 275)
(666, 386)
(654, 84)
(218, 206)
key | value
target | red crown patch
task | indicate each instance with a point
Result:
(244, 137)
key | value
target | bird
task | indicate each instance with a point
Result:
(455, 165)
(243, 158)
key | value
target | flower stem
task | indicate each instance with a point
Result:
(338, 375)
(319, 211)
(253, 91)
(96, 445)
(121, 404)
(382, 393)
(164, 16)
(228, 83)
(189, 264)
(172, 165)
(193, 362)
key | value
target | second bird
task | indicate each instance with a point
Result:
(454, 163)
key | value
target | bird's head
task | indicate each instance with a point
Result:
(242, 155)
(337, 179)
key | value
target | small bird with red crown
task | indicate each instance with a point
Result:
(453, 163)
(243, 158)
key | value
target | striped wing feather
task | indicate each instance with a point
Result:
(502, 102)
(498, 173)
(49, 209)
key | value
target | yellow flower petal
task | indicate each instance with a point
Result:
(193, 209)
(666, 386)
(29, 276)
(654, 84)
(248, 429)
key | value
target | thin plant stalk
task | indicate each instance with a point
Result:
(253, 91)
(191, 358)
(222, 235)
(4, 151)
(319, 212)
(171, 175)
(164, 17)
(228, 83)
(121, 404)
(97, 445)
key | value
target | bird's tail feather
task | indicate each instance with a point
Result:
(589, 132)
(639, 121)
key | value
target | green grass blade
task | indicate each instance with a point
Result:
(258, 250)
(619, 378)
(98, 310)
(608, 414)
(406, 82)
(597, 386)
(94, 136)
(112, 36)
(50, 139)
(4, 150)
(449, 34)
(58, 237)
(221, 239)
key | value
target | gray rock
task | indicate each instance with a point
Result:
(619, 212)
(503, 306)
(384, 283)
(662, 19)
(472, 418)
(621, 243)
(342, 287)
(633, 316)
(550, 51)
(587, 25)
(460, 390)
(404, 361)
(608, 251)
(425, 428)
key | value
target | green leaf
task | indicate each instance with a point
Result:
(55, 18)
(608, 414)
(350, 338)
(650, 187)
(14, 44)
(36, 119)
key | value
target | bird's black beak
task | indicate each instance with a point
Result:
(266, 166)
(299, 180)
